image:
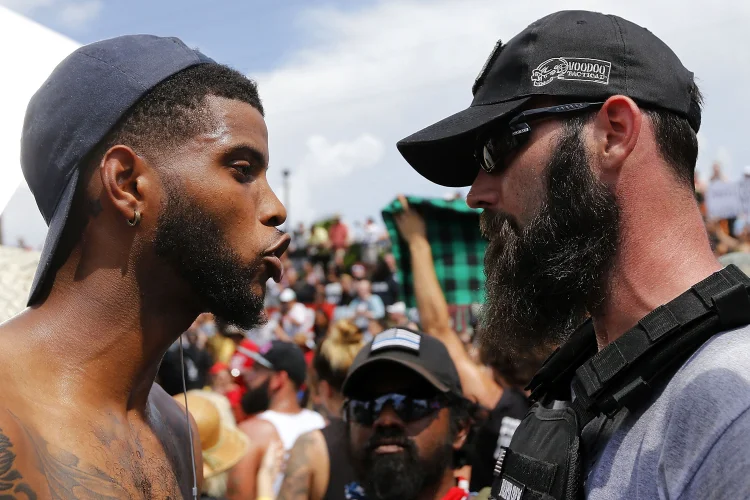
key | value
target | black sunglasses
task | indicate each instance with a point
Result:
(408, 409)
(497, 142)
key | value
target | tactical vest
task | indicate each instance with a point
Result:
(545, 458)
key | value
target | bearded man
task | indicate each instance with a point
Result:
(148, 161)
(580, 147)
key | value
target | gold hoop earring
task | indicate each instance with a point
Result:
(135, 220)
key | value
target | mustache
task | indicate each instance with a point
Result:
(494, 223)
(388, 436)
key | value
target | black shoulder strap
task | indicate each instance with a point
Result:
(553, 378)
(624, 373)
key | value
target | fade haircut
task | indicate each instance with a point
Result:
(676, 139)
(175, 109)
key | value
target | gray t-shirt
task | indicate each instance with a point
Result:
(692, 442)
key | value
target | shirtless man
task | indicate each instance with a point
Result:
(148, 161)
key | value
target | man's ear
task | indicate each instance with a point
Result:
(617, 127)
(462, 434)
(278, 380)
(126, 178)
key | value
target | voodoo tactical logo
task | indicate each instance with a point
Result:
(571, 68)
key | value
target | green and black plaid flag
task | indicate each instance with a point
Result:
(457, 248)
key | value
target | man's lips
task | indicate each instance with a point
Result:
(272, 257)
(384, 449)
(274, 266)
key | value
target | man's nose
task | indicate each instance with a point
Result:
(483, 192)
(388, 418)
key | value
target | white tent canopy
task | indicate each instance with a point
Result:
(32, 52)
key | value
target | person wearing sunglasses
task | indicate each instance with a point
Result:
(580, 147)
(407, 419)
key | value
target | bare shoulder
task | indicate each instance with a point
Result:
(260, 431)
(306, 474)
(310, 442)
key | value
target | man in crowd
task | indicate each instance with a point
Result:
(295, 317)
(304, 291)
(589, 209)
(131, 148)
(366, 306)
(198, 361)
(338, 234)
(506, 403)
(406, 419)
(277, 375)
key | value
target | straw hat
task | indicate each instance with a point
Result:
(222, 443)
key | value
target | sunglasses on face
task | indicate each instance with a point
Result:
(495, 144)
(408, 408)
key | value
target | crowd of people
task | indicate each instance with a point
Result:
(282, 384)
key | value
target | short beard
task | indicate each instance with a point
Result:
(257, 400)
(192, 242)
(543, 280)
(399, 476)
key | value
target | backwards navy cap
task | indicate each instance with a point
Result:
(81, 101)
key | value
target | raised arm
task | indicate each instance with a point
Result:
(477, 382)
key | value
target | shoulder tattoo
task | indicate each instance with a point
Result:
(11, 481)
(66, 477)
(298, 476)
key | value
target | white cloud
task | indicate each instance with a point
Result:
(396, 66)
(78, 14)
(325, 163)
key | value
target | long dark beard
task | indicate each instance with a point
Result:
(399, 476)
(189, 239)
(544, 279)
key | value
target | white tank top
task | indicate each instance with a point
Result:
(289, 427)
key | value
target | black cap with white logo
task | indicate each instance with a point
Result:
(424, 355)
(568, 54)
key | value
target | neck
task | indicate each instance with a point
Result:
(285, 403)
(439, 489)
(102, 337)
(663, 251)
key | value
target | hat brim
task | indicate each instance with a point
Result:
(44, 272)
(233, 444)
(443, 153)
(357, 376)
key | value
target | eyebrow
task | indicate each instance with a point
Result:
(248, 151)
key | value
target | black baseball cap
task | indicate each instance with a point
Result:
(81, 101)
(282, 356)
(421, 353)
(568, 54)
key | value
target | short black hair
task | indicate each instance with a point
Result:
(174, 110)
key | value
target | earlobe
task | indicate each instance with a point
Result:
(121, 172)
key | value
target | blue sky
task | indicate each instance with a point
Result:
(251, 36)
(343, 81)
